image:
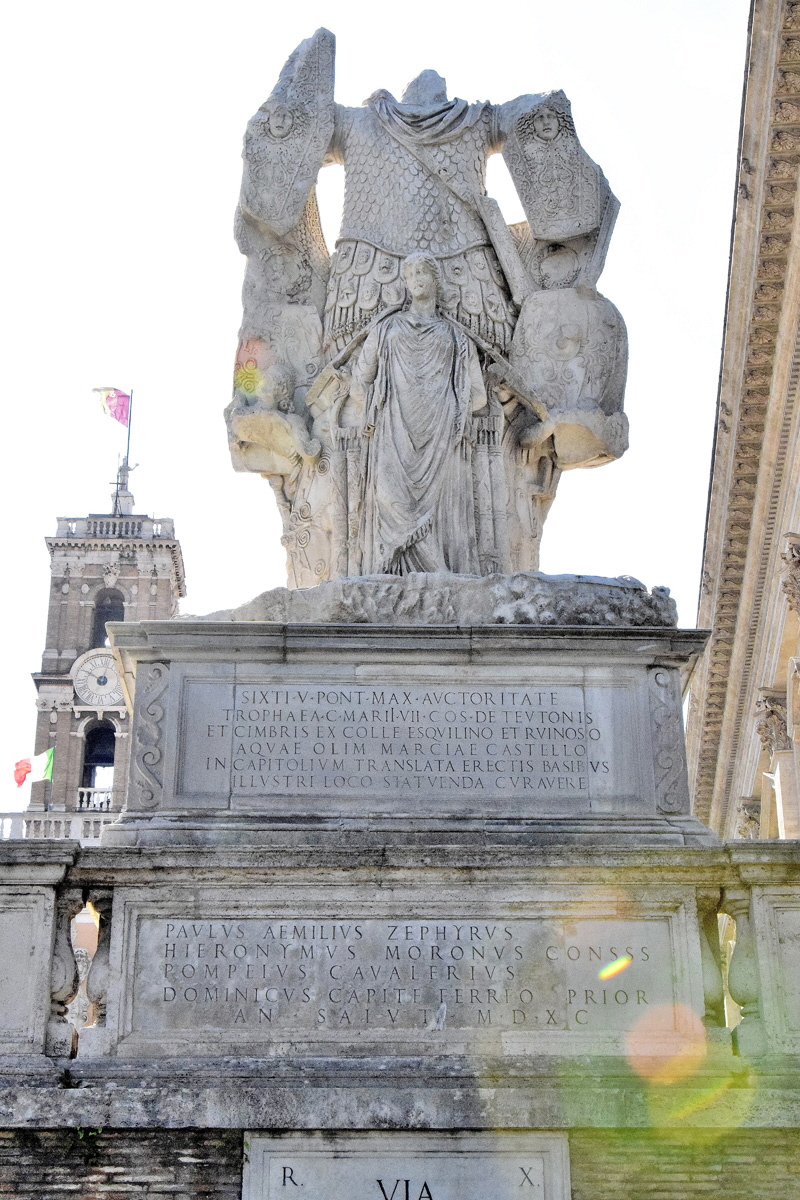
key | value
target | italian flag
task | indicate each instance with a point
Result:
(34, 769)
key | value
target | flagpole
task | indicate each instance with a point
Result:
(130, 421)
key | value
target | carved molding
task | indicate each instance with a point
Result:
(791, 575)
(741, 422)
(669, 754)
(771, 718)
(147, 779)
(748, 825)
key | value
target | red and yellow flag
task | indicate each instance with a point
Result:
(116, 403)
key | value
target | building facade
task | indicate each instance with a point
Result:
(743, 724)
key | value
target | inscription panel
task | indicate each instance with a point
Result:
(305, 979)
(399, 1166)
(557, 744)
(777, 927)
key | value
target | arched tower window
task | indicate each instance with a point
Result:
(98, 766)
(109, 606)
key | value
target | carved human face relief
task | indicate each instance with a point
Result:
(545, 124)
(280, 121)
(420, 280)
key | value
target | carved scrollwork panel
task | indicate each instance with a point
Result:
(669, 751)
(147, 771)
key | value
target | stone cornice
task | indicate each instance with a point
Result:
(756, 399)
(123, 545)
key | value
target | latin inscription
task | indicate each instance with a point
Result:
(303, 976)
(392, 1166)
(304, 1173)
(411, 741)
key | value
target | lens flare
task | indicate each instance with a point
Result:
(613, 968)
(710, 1111)
(667, 1045)
(699, 1101)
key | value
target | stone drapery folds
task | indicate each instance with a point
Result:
(382, 484)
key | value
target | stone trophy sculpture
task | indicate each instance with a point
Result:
(413, 398)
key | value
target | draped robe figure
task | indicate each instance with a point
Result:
(421, 379)
(415, 183)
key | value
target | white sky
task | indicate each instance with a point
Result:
(122, 143)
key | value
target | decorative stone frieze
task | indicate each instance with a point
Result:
(791, 576)
(771, 721)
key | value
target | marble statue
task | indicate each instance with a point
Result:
(414, 397)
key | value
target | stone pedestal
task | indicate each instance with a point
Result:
(552, 735)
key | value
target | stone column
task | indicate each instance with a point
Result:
(771, 726)
(61, 1039)
(708, 900)
(95, 1038)
(749, 1037)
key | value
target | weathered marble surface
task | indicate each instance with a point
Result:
(405, 429)
(436, 967)
(409, 1166)
(237, 727)
(505, 1087)
(26, 935)
(527, 598)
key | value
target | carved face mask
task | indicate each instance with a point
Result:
(546, 125)
(280, 121)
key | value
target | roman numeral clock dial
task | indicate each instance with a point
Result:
(96, 680)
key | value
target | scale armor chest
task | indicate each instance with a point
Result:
(392, 202)
(392, 206)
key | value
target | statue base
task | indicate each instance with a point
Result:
(263, 731)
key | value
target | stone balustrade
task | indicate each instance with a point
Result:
(94, 799)
(84, 826)
(546, 958)
(101, 526)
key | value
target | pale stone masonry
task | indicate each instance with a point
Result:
(406, 899)
(754, 502)
(135, 561)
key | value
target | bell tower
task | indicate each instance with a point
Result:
(115, 566)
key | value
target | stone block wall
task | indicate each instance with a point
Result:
(657, 1164)
(112, 1164)
(187, 1164)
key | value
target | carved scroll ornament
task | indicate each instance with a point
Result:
(146, 774)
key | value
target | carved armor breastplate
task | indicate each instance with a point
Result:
(391, 200)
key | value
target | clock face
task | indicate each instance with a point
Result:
(97, 682)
